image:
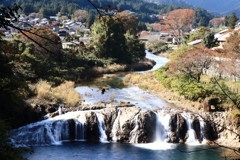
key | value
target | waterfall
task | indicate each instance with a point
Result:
(162, 126)
(192, 137)
(60, 131)
(115, 127)
(202, 126)
(134, 134)
(101, 127)
(79, 131)
(80, 127)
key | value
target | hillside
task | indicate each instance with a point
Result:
(220, 6)
(215, 5)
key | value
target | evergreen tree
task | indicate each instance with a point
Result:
(202, 22)
(209, 41)
(232, 21)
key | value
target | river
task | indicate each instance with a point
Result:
(102, 150)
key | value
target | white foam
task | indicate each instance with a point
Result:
(156, 146)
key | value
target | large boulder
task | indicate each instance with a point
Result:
(146, 132)
(125, 123)
(110, 115)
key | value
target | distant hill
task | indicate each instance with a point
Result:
(220, 6)
(237, 11)
(215, 5)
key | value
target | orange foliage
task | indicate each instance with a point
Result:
(180, 21)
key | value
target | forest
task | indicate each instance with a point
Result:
(143, 10)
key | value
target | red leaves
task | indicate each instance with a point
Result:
(180, 21)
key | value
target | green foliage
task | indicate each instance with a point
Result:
(184, 85)
(182, 49)
(202, 16)
(7, 152)
(90, 19)
(209, 41)
(112, 40)
(135, 48)
(232, 21)
(157, 47)
(161, 75)
(202, 22)
(143, 10)
(191, 89)
(198, 34)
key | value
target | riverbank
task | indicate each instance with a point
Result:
(142, 65)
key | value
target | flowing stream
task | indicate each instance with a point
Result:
(63, 137)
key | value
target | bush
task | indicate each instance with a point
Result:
(157, 47)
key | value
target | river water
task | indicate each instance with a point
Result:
(83, 150)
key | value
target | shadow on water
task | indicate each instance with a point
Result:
(106, 81)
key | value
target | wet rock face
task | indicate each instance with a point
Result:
(72, 129)
(197, 127)
(147, 125)
(110, 116)
(211, 132)
(91, 127)
(178, 129)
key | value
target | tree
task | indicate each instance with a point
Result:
(114, 37)
(8, 14)
(108, 39)
(179, 22)
(208, 40)
(46, 42)
(130, 22)
(193, 63)
(202, 22)
(80, 15)
(198, 34)
(90, 19)
(232, 45)
(230, 63)
(232, 21)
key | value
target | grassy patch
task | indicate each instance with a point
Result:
(64, 93)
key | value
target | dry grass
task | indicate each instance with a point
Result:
(234, 86)
(113, 68)
(64, 93)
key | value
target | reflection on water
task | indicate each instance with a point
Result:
(116, 151)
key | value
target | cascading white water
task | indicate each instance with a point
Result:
(162, 126)
(115, 127)
(202, 126)
(133, 133)
(101, 127)
(192, 137)
(79, 131)
(60, 131)
(80, 127)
